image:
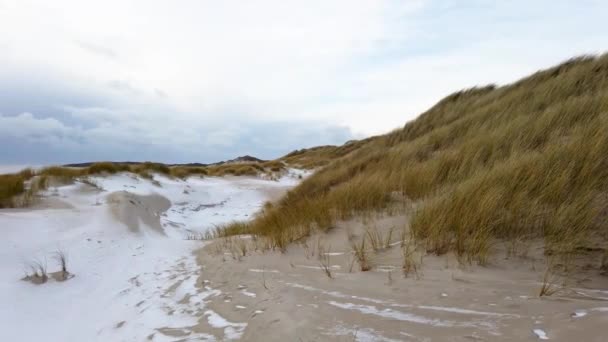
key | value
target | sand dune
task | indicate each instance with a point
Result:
(135, 276)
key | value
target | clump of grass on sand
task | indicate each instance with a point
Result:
(484, 164)
(10, 186)
(37, 272)
(20, 189)
(62, 259)
(361, 254)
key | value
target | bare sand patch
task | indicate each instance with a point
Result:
(288, 296)
(131, 209)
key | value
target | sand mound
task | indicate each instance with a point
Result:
(132, 209)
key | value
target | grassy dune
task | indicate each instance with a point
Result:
(526, 160)
(19, 189)
(311, 158)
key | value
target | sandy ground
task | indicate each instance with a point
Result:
(289, 297)
(132, 271)
(136, 275)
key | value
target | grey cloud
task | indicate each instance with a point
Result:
(30, 139)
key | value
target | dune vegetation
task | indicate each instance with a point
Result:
(521, 161)
(19, 189)
(315, 157)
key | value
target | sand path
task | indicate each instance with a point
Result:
(287, 296)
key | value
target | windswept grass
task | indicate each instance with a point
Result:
(107, 167)
(187, 171)
(63, 174)
(274, 166)
(19, 189)
(489, 163)
(10, 186)
(150, 167)
(315, 157)
(236, 169)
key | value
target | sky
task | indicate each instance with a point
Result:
(203, 81)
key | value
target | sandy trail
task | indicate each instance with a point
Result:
(288, 296)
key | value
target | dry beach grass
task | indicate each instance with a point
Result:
(522, 161)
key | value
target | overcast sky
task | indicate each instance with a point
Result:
(202, 80)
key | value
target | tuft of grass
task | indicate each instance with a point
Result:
(549, 285)
(10, 186)
(38, 272)
(61, 257)
(377, 240)
(324, 260)
(361, 255)
(374, 236)
(20, 189)
(411, 264)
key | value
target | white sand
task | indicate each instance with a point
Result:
(135, 274)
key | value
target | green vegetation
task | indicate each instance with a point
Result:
(526, 160)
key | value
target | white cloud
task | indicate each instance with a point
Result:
(213, 72)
